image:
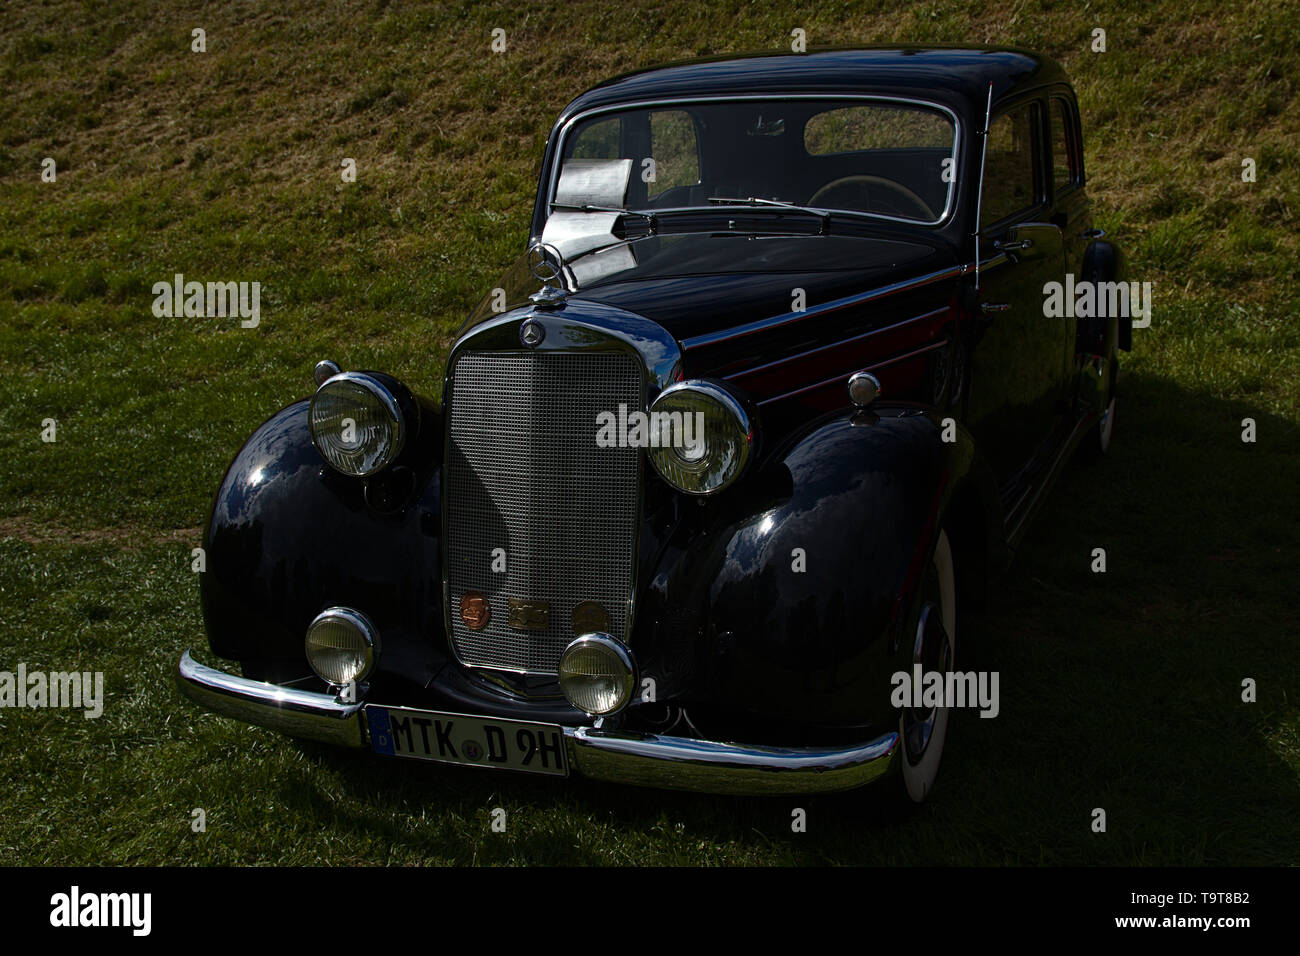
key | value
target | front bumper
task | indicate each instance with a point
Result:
(651, 760)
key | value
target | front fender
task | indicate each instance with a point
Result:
(289, 536)
(796, 595)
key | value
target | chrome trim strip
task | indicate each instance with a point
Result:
(680, 763)
(933, 346)
(299, 713)
(777, 363)
(762, 325)
(949, 201)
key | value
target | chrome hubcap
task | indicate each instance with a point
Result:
(933, 651)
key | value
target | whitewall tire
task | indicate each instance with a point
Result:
(922, 734)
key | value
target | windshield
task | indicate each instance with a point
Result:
(866, 157)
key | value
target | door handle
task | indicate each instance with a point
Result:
(989, 308)
(1010, 246)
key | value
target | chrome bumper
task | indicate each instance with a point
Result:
(676, 763)
(298, 713)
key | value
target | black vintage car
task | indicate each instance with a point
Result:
(739, 443)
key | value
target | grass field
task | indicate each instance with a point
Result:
(1120, 691)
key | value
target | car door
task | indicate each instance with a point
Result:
(1017, 371)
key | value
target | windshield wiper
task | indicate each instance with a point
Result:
(588, 207)
(648, 216)
(823, 214)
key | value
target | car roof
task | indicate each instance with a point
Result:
(958, 76)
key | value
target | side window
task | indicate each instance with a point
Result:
(1009, 185)
(675, 150)
(1065, 171)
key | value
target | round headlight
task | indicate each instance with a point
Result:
(597, 674)
(701, 438)
(341, 645)
(356, 424)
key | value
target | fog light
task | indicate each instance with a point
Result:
(597, 674)
(341, 645)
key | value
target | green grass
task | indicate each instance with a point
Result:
(1120, 691)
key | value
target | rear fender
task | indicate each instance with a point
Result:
(1103, 262)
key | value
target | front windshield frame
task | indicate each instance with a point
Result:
(950, 201)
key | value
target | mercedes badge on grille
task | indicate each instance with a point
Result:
(531, 333)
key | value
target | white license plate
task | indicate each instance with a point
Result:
(468, 740)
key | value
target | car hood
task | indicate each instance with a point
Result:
(710, 284)
(697, 284)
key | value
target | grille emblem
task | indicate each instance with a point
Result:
(589, 616)
(527, 615)
(475, 611)
(531, 333)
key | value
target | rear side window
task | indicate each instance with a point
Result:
(1009, 177)
(1065, 169)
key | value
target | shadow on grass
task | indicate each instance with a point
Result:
(1120, 691)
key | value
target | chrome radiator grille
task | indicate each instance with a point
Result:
(524, 474)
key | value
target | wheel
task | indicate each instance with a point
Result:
(1097, 442)
(1106, 426)
(923, 732)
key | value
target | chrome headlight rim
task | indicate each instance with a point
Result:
(362, 624)
(621, 653)
(745, 424)
(374, 384)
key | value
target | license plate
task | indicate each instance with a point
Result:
(467, 740)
